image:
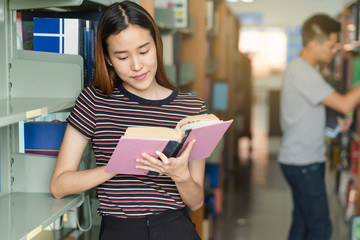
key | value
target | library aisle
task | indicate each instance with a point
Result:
(257, 201)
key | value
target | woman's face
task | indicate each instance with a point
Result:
(132, 53)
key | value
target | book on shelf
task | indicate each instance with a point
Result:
(59, 35)
(68, 36)
(180, 9)
(207, 129)
(168, 48)
(356, 71)
(332, 128)
(44, 138)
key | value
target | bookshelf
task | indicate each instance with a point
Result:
(32, 84)
(35, 84)
(193, 69)
(224, 54)
(343, 151)
(228, 79)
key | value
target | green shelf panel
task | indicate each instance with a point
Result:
(212, 65)
(171, 73)
(21, 109)
(32, 172)
(165, 19)
(49, 57)
(23, 215)
(190, 29)
(61, 79)
(54, 76)
(187, 74)
(61, 5)
(26, 4)
(41, 83)
(24, 167)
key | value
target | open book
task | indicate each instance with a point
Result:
(207, 129)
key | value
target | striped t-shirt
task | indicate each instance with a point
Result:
(104, 119)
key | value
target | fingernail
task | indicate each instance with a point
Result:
(143, 154)
(157, 152)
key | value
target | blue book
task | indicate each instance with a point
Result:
(59, 35)
(64, 35)
(43, 138)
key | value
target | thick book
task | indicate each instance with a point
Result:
(207, 129)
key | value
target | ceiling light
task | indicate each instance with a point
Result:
(247, 1)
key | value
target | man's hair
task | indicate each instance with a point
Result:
(319, 27)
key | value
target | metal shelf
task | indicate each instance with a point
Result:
(60, 5)
(21, 109)
(24, 215)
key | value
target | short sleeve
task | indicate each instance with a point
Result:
(82, 117)
(203, 109)
(311, 85)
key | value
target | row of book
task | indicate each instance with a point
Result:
(351, 33)
(344, 154)
(65, 33)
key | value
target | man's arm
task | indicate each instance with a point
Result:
(343, 103)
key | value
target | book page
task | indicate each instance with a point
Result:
(154, 133)
(198, 124)
(196, 118)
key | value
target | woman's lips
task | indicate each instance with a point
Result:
(140, 77)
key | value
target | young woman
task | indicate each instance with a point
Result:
(131, 89)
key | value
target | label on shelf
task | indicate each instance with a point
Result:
(37, 113)
(34, 232)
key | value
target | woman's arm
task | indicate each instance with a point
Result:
(191, 188)
(66, 179)
(188, 176)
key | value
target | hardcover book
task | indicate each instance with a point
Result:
(43, 138)
(207, 129)
(58, 35)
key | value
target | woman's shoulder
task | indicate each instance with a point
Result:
(97, 93)
(189, 96)
(190, 101)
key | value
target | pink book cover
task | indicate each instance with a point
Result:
(207, 137)
(123, 160)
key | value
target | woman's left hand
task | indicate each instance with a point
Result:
(176, 168)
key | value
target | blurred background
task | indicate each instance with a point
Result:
(232, 54)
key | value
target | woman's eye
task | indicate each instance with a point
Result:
(145, 52)
(123, 58)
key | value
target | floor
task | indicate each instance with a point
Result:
(257, 202)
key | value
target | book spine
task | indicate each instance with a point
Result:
(86, 30)
(93, 27)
